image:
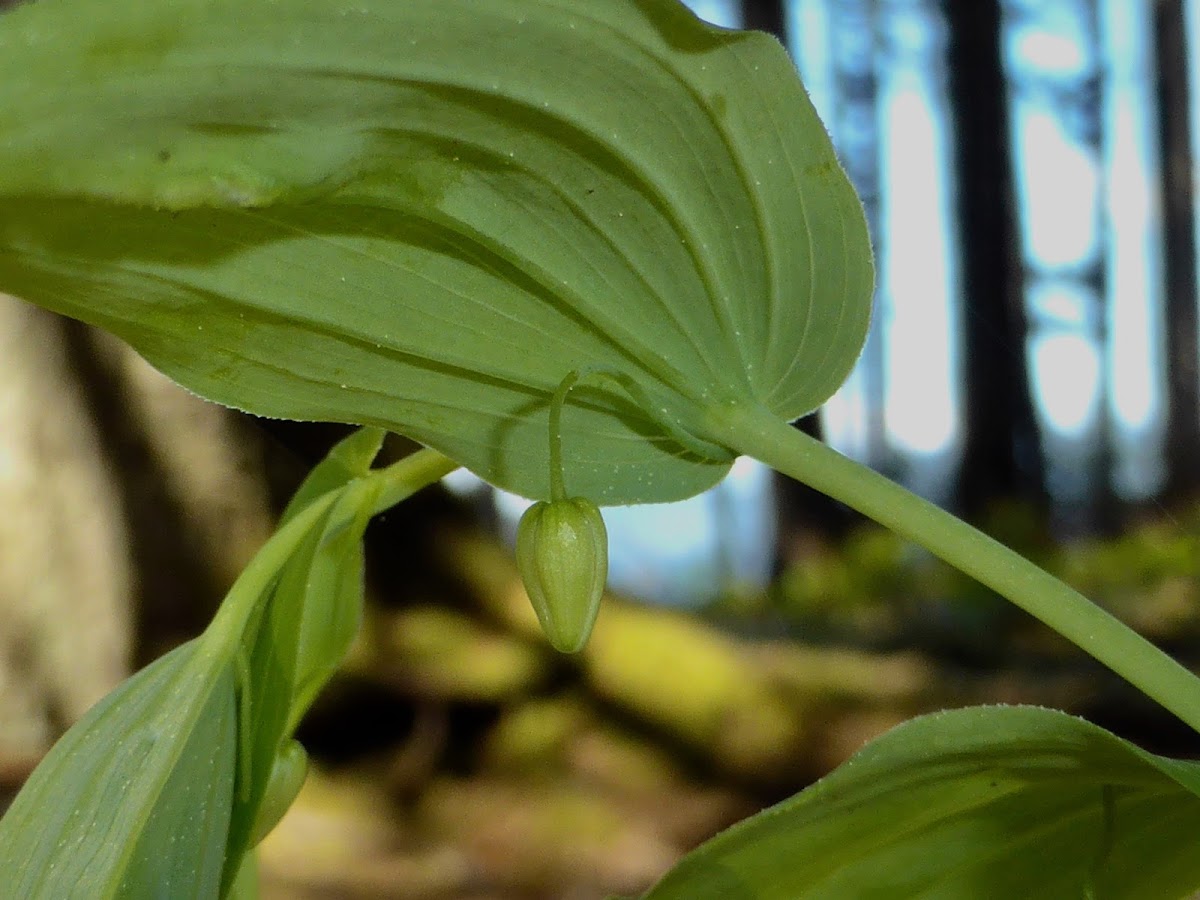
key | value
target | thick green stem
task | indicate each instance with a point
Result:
(405, 477)
(758, 433)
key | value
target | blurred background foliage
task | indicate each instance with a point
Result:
(1027, 170)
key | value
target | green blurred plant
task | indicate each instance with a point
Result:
(422, 216)
(875, 584)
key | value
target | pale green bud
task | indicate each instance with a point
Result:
(562, 554)
(288, 772)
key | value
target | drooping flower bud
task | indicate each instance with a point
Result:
(562, 554)
(288, 771)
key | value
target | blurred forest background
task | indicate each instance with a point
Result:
(1028, 171)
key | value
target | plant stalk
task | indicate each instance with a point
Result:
(405, 477)
(756, 432)
(395, 483)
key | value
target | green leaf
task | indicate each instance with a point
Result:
(317, 609)
(350, 458)
(985, 802)
(423, 215)
(307, 625)
(150, 794)
(134, 801)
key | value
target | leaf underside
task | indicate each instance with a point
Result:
(422, 215)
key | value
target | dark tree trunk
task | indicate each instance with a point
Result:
(1002, 454)
(803, 510)
(1105, 508)
(1095, 508)
(854, 29)
(764, 15)
(1183, 379)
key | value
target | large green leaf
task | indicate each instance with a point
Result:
(159, 791)
(976, 803)
(134, 801)
(423, 214)
(153, 792)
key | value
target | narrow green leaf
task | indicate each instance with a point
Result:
(422, 215)
(308, 624)
(317, 606)
(312, 616)
(350, 458)
(985, 802)
(134, 801)
(268, 689)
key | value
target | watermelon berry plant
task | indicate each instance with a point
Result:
(423, 216)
